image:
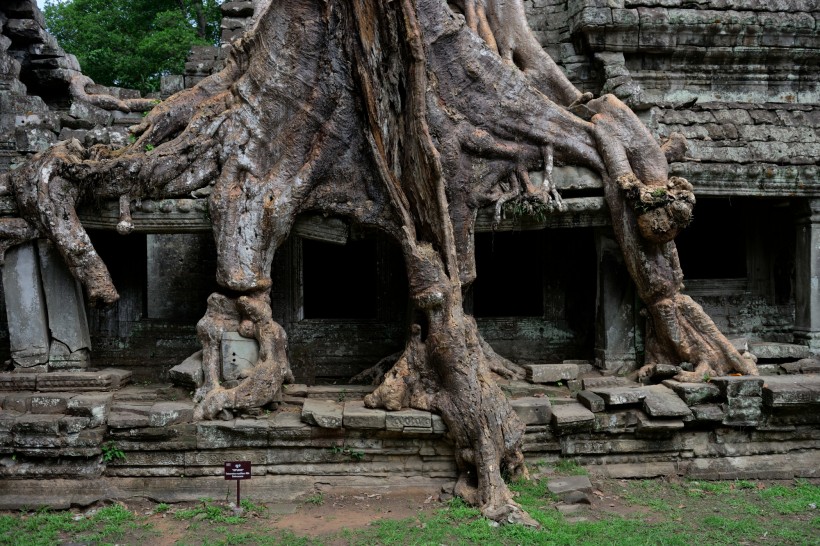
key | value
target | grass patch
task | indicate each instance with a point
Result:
(45, 527)
(570, 467)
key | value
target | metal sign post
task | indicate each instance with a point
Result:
(237, 471)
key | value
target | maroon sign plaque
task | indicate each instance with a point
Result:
(237, 470)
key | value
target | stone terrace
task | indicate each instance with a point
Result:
(55, 444)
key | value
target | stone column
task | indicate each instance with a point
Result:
(807, 277)
(26, 308)
(67, 321)
(615, 326)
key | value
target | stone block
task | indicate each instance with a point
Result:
(611, 381)
(188, 373)
(239, 355)
(665, 404)
(532, 410)
(620, 396)
(655, 426)
(322, 413)
(731, 386)
(356, 415)
(170, 413)
(783, 395)
(36, 424)
(778, 351)
(18, 381)
(17, 402)
(408, 418)
(232, 434)
(551, 373)
(73, 425)
(591, 401)
(708, 412)
(694, 393)
(287, 420)
(564, 485)
(572, 418)
(49, 403)
(123, 419)
(93, 406)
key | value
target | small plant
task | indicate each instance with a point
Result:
(132, 139)
(149, 147)
(317, 499)
(112, 452)
(658, 193)
(354, 455)
(161, 507)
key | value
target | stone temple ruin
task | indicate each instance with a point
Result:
(737, 78)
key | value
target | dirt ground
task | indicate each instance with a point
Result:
(327, 516)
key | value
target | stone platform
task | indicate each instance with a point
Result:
(56, 448)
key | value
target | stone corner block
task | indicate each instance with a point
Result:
(532, 410)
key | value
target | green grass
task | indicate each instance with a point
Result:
(45, 527)
(650, 512)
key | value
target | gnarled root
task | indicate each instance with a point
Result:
(685, 333)
(250, 315)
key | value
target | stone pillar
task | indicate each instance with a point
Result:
(615, 326)
(807, 277)
(67, 321)
(26, 308)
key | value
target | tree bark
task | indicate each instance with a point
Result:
(401, 116)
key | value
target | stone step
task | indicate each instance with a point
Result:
(108, 379)
(785, 391)
(778, 351)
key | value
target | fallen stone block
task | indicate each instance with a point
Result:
(532, 410)
(322, 413)
(568, 484)
(410, 418)
(572, 418)
(551, 373)
(356, 415)
(591, 401)
(665, 404)
(188, 374)
(694, 393)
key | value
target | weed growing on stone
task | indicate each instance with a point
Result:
(111, 452)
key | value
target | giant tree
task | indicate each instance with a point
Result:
(407, 116)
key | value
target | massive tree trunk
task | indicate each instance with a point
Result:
(407, 117)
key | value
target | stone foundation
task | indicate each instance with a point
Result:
(55, 445)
